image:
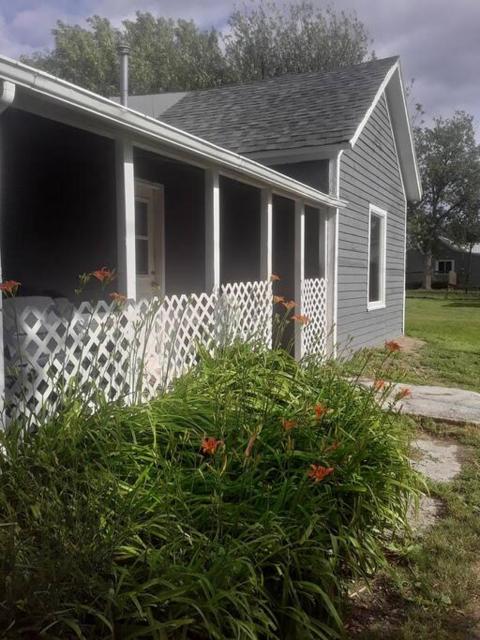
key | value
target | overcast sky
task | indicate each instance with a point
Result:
(438, 40)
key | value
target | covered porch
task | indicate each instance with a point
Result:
(185, 223)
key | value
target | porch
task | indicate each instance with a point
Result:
(194, 244)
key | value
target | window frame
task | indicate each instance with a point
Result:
(382, 214)
(444, 273)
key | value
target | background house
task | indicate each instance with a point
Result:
(448, 257)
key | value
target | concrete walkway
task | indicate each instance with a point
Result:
(455, 406)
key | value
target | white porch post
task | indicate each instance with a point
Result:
(7, 95)
(212, 230)
(299, 271)
(125, 186)
(266, 226)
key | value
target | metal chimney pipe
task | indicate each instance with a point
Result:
(123, 51)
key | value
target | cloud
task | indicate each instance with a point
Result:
(438, 42)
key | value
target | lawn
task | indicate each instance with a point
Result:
(449, 326)
(431, 588)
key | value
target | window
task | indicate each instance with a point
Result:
(445, 266)
(141, 236)
(377, 233)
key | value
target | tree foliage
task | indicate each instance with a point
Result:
(263, 40)
(449, 162)
(267, 40)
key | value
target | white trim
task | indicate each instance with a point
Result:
(153, 194)
(404, 270)
(7, 94)
(108, 111)
(337, 240)
(299, 272)
(394, 90)
(376, 99)
(443, 273)
(382, 214)
(266, 234)
(125, 191)
(212, 230)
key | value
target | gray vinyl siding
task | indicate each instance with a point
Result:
(370, 174)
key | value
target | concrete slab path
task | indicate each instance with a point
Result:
(447, 404)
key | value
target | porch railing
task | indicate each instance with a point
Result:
(122, 350)
(133, 351)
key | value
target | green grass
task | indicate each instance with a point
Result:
(450, 327)
(433, 588)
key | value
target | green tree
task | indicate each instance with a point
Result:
(449, 162)
(166, 55)
(263, 40)
(267, 39)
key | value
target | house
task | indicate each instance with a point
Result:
(448, 257)
(209, 193)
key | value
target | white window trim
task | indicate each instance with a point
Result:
(378, 304)
(444, 273)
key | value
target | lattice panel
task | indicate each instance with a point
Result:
(314, 305)
(131, 351)
(247, 310)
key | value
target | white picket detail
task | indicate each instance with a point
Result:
(129, 351)
(314, 306)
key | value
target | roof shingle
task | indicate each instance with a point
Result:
(287, 112)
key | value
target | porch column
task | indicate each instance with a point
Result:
(299, 271)
(125, 185)
(7, 95)
(212, 230)
(331, 227)
(266, 226)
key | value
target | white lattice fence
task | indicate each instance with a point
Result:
(314, 305)
(130, 351)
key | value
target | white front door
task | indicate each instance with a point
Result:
(149, 240)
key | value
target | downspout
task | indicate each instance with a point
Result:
(7, 94)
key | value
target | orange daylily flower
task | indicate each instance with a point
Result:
(318, 473)
(378, 384)
(278, 299)
(392, 346)
(403, 393)
(274, 277)
(300, 318)
(103, 275)
(210, 445)
(289, 305)
(288, 424)
(119, 298)
(320, 410)
(10, 287)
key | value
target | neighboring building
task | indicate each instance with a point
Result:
(306, 176)
(448, 257)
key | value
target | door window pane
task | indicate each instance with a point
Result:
(141, 252)
(141, 218)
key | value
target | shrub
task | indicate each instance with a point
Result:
(235, 506)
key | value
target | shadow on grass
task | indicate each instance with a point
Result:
(472, 303)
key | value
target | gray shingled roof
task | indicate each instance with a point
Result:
(291, 111)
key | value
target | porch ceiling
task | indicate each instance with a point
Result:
(115, 120)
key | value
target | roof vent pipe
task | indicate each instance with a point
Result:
(123, 51)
